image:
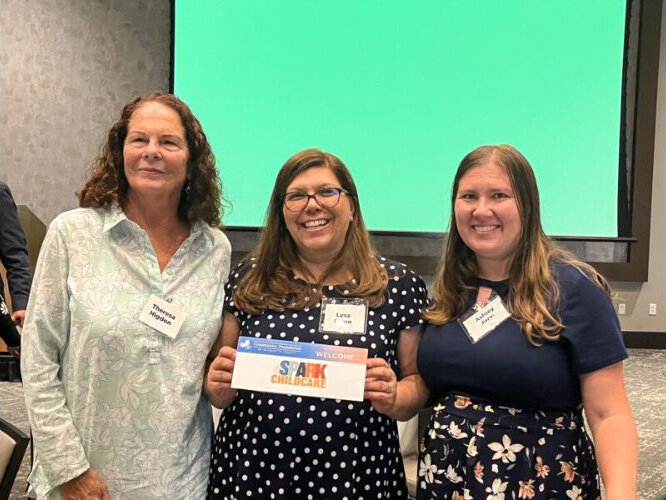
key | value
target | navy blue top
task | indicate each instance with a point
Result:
(505, 369)
(13, 251)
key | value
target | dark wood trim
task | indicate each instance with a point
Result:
(172, 46)
(636, 269)
(645, 340)
(626, 124)
(441, 236)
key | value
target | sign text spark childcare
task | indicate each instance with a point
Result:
(300, 373)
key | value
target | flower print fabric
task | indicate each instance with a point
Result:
(479, 451)
(93, 397)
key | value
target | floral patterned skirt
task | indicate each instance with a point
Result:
(476, 451)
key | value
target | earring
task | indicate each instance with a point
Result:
(187, 188)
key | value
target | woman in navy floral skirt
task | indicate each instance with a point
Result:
(522, 336)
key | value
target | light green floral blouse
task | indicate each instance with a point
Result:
(94, 395)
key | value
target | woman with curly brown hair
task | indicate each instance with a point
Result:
(522, 337)
(125, 305)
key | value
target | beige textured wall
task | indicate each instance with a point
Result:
(66, 69)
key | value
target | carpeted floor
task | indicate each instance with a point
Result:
(645, 375)
(12, 409)
(646, 383)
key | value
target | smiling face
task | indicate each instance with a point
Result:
(318, 233)
(488, 219)
(155, 152)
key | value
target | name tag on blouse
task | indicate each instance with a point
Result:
(346, 316)
(480, 320)
(163, 316)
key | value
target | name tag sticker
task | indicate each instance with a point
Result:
(300, 368)
(480, 320)
(165, 317)
(347, 316)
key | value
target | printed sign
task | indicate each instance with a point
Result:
(300, 368)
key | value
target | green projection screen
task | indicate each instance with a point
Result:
(402, 90)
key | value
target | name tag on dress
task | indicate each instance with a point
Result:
(480, 320)
(163, 316)
(346, 316)
(300, 368)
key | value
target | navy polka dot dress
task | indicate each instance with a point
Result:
(280, 446)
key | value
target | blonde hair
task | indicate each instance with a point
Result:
(270, 284)
(533, 291)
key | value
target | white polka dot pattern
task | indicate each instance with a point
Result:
(279, 446)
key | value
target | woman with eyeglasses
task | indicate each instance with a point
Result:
(315, 249)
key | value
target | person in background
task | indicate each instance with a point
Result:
(14, 255)
(314, 250)
(8, 332)
(125, 307)
(521, 337)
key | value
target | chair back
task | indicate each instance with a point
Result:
(13, 443)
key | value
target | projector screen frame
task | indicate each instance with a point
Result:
(636, 151)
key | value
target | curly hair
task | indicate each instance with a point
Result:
(534, 293)
(107, 185)
(269, 284)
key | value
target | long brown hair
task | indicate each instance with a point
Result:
(107, 185)
(270, 284)
(534, 293)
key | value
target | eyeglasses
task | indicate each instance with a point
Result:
(296, 201)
